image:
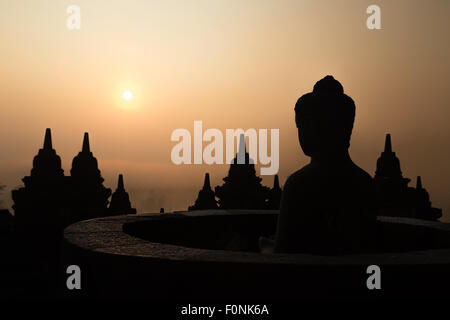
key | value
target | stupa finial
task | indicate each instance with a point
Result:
(206, 184)
(120, 185)
(387, 144)
(276, 182)
(419, 183)
(48, 140)
(86, 147)
(242, 150)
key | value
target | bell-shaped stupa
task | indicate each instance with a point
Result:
(47, 163)
(85, 165)
(242, 188)
(388, 165)
(420, 200)
(274, 199)
(90, 197)
(43, 198)
(206, 198)
(120, 201)
(394, 197)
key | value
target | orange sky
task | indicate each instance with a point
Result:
(229, 63)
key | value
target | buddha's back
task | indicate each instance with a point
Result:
(327, 206)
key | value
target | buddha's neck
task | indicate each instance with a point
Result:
(332, 157)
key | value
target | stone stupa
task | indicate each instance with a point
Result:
(273, 202)
(206, 198)
(90, 197)
(242, 188)
(42, 201)
(120, 201)
(395, 198)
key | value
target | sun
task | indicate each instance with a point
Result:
(127, 95)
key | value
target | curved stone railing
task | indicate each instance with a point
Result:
(213, 254)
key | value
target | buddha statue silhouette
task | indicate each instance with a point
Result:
(327, 207)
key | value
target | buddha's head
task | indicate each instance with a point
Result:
(325, 118)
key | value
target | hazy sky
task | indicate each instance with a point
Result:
(229, 63)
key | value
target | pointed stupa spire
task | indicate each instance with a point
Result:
(86, 147)
(276, 182)
(48, 140)
(387, 144)
(419, 183)
(242, 150)
(206, 198)
(120, 201)
(47, 163)
(85, 164)
(120, 183)
(206, 184)
(274, 195)
(242, 147)
(388, 165)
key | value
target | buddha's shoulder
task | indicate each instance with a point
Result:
(300, 177)
(361, 174)
(310, 175)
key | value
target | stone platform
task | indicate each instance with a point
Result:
(213, 254)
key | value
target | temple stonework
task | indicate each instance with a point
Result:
(90, 197)
(50, 198)
(43, 199)
(242, 188)
(206, 198)
(395, 198)
(47, 163)
(120, 201)
(273, 202)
